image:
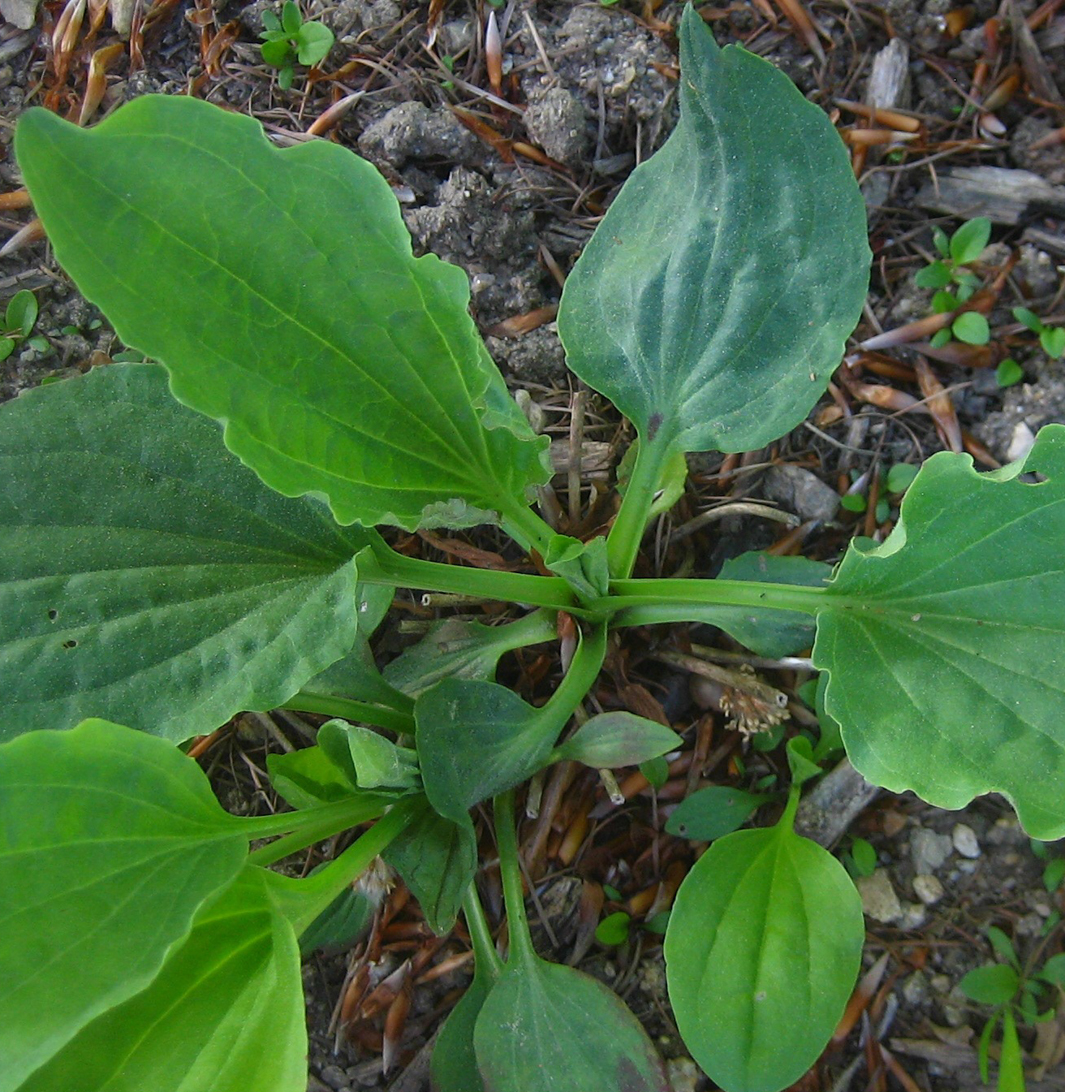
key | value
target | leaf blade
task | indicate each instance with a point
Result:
(385, 405)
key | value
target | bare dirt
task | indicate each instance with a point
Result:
(508, 179)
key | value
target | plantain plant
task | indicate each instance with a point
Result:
(187, 539)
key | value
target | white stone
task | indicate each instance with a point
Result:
(928, 889)
(964, 838)
(879, 900)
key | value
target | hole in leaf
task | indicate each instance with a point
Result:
(53, 614)
(70, 644)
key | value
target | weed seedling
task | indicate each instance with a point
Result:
(289, 40)
(954, 283)
(1051, 338)
(19, 320)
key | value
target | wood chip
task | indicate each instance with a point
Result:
(1004, 196)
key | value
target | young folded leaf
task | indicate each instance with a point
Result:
(150, 578)
(944, 646)
(712, 302)
(281, 293)
(110, 842)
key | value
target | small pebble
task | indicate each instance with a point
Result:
(879, 900)
(964, 839)
(928, 889)
(915, 989)
(683, 1075)
(334, 1076)
(914, 916)
(929, 850)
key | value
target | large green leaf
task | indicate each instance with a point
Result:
(763, 947)
(453, 1066)
(279, 288)
(945, 646)
(712, 302)
(148, 577)
(110, 840)
(547, 1028)
(225, 1013)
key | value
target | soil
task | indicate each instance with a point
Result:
(509, 183)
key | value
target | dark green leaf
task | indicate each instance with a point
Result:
(340, 924)
(363, 379)
(453, 1066)
(762, 952)
(994, 984)
(713, 812)
(158, 582)
(271, 21)
(284, 79)
(1003, 946)
(618, 739)
(437, 859)
(291, 20)
(944, 645)
(225, 1013)
(277, 52)
(900, 477)
(457, 649)
(772, 633)
(7, 347)
(547, 1028)
(476, 739)
(712, 302)
(613, 929)
(110, 841)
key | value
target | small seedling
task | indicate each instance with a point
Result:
(289, 40)
(955, 284)
(1008, 373)
(1016, 993)
(1052, 338)
(19, 320)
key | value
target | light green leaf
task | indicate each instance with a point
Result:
(476, 739)
(615, 739)
(281, 293)
(291, 19)
(762, 951)
(277, 52)
(993, 984)
(367, 758)
(437, 859)
(158, 582)
(315, 41)
(713, 812)
(21, 312)
(712, 302)
(936, 275)
(972, 328)
(944, 646)
(308, 777)
(547, 1028)
(110, 840)
(969, 241)
(581, 564)
(1053, 341)
(225, 1013)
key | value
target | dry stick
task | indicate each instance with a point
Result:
(576, 442)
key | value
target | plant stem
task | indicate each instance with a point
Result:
(367, 713)
(303, 900)
(521, 945)
(669, 597)
(309, 825)
(623, 541)
(527, 529)
(381, 565)
(484, 949)
(583, 670)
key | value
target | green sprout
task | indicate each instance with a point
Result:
(1052, 338)
(19, 319)
(1017, 993)
(954, 284)
(289, 40)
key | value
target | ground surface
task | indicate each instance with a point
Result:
(508, 182)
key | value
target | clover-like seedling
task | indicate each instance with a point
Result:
(954, 284)
(19, 320)
(289, 40)
(1051, 338)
